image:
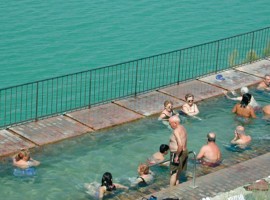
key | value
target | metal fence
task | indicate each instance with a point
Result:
(53, 96)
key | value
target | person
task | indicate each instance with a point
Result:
(243, 91)
(168, 111)
(210, 154)
(145, 177)
(23, 160)
(240, 138)
(108, 186)
(242, 109)
(265, 84)
(159, 157)
(178, 150)
(266, 111)
(190, 108)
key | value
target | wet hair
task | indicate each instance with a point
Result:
(189, 95)
(107, 181)
(23, 153)
(167, 102)
(245, 100)
(163, 148)
(210, 139)
(144, 168)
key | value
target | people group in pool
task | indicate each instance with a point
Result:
(209, 154)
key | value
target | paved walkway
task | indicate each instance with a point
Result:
(220, 181)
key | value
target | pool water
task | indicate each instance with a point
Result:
(67, 165)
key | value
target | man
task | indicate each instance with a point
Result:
(159, 157)
(210, 154)
(265, 84)
(240, 138)
(178, 149)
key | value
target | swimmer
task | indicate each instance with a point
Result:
(243, 91)
(146, 176)
(159, 157)
(107, 185)
(266, 112)
(240, 138)
(265, 84)
(210, 154)
(190, 108)
(168, 111)
(242, 109)
(23, 160)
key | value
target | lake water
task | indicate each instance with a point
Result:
(43, 39)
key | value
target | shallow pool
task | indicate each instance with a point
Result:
(66, 166)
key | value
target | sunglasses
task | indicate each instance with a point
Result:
(189, 101)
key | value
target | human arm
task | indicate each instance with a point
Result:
(102, 190)
(162, 116)
(201, 153)
(33, 162)
(234, 109)
(234, 140)
(232, 98)
(117, 185)
(252, 112)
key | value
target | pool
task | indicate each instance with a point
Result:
(67, 165)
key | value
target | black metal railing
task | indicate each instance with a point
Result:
(48, 97)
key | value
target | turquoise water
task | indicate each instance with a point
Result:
(42, 39)
(66, 166)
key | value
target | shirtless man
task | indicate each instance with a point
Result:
(210, 154)
(242, 109)
(178, 149)
(159, 156)
(265, 84)
(240, 138)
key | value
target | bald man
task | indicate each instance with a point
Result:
(265, 84)
(240, 138)
(210, 154)
(178, 150)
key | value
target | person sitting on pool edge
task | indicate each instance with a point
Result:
(265, 84)
(159, 157)
(190, 108)
(146, 176)
(243, 91)
(210, 154)
(240, 138)
(23, 160)
(168, 111)
(242, 109)
(107, 185)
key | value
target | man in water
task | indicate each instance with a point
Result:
(210, 154)
(240, 138)
(265, 84)
(178, 149)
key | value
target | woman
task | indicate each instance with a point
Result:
(146, 176)
(242, 109)
(190, 108)
(107, 185)
(168, 111)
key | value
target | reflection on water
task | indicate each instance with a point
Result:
(67, 166)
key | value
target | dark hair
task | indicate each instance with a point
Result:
(245, 100)
(189, 95)
(167, 102)
(107, 181)
(163, 148)
(210, 139)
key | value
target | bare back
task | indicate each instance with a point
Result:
(210, 153)
(246, 112)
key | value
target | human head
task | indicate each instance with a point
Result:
(240, 130)
(143, 168)
(168, 105)
(174, 121)
(211, 137)
(107, 180)
(244, 90)
(245, 99)
(163, 148)
(267, 79)
(189, 98)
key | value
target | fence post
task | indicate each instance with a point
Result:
(217, 56)
(136, 79)
(251, 50)
(36, 117)
(90, 85)
(179, 65)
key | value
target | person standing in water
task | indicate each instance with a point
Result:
(242, 109)
(178, 150)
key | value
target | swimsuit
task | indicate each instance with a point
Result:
(167, 116)
(181, 165)
(210, 164)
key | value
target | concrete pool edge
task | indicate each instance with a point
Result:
(57, 128)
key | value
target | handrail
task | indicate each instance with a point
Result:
(194, 170)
